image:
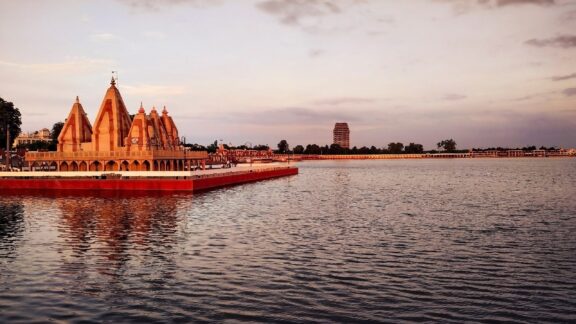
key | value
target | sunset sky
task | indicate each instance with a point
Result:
(484, 72)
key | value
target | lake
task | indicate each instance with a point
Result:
(478, 240)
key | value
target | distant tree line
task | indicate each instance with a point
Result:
(391, 148)
(211, 148)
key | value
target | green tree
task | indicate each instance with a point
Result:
(448, 145)
(283, 147)
(36, 146)
(336, 149)
(395, 148)
(298, 149)
(363, 150)
(414, 148)
(212, 147)
(312, 149)
(261, 147)
(54, 133)
(10, 118)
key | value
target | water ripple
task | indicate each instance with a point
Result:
(364, 241)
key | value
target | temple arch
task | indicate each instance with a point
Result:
(83, 166)
(111, 166)
(73, 166)
(135, 166)
(96, 166)
(124, 166)
(145, 166)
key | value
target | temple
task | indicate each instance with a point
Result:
(117, 142)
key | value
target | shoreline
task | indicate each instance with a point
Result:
(304, 157)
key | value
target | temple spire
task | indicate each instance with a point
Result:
(113, 82)
(141, 110)
(77, 99)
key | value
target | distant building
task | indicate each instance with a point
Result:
(342, 135)
(32, 137)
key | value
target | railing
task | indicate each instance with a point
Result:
(115, 155)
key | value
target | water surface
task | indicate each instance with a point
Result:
(344, 241)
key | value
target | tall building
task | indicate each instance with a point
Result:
(342, 135)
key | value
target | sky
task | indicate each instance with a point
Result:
(486, 73)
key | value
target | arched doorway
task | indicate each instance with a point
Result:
(145, 166)
(111, 166)
(73, 166)
(83, 166)
(135, 166)
(124, 166)
(96, 166)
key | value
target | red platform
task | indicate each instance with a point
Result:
(189, 184)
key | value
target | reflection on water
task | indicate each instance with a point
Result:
(11, 226)
(122, 224)
(345, 241)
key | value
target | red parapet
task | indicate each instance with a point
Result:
(186, 184)
(222, 181)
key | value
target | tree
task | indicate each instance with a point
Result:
(364, 150)
(448, 145)
(283, 147)
(312, 149)
(336, 149)
(36, 146)
(11, 118)
(261, 147)
(54, 133)
(195, 147)
(395, 148)
(298, 149)
(414, 148)
(212, 147)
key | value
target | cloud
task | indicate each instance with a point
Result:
(464, 6)
(569, 16)
(563, 77)
(155, 5)
(569, 92)
(562, 41)
(345, 101)
(291, 12)
(283, 116)
(316, 53)
(71, 65)
(454, 97)
(501, 3)
(305, 13)
(104, 37)
(153, 90)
